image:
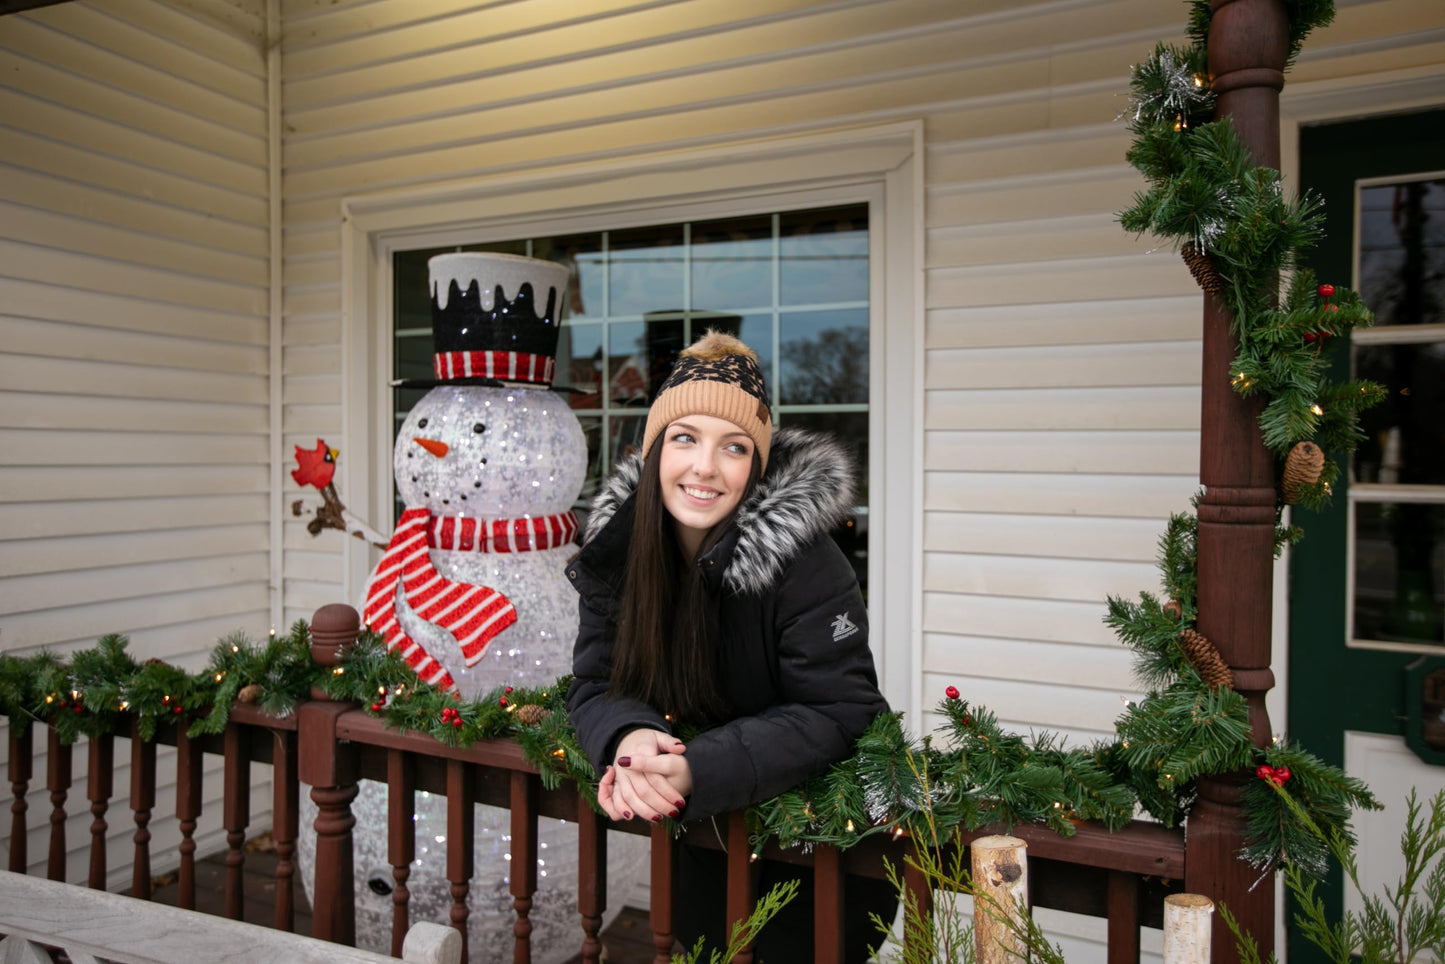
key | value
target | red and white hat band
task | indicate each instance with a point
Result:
(510, 366)
(532, 533)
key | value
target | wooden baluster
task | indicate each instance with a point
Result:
(21, 763)
(1123, 918)
(460, 836)
(142, 802)
(591, 877)
(57, 781)
(740, 890)
(916, 894)
(662, 883)
(99, 784)
(236, 816)
(827, 905)
(189, 771)
(400, 840)
(523, 876)
(331, 771)
(285, 824)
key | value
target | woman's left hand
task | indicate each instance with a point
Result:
(649, 778)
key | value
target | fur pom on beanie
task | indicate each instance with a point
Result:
(717, 375)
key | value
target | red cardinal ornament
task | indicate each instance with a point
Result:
(315, 467)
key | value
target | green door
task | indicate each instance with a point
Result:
(1367, 584)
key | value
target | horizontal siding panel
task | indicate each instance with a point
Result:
(104, 274)
(147, 74)
(311, 390)
(1043, 239)
(1357, 22)
(1067, 193)
(41, 483)
(313, 271)
(1031, 536)
(1063, 408)
(38, 374)
(1008, 619)
(77, 553)
(82, 621)
(30, 299)
(112, 225)
(78, 166)
(30, 447)
(308, 419)
(33, 411)
(1015, 493)
(311, 360)
(66, 89)
(974, 658)
(313, 565)
(1126, 453)
(1158, 363)
(213, 41)
(45, 338)
(1034, 577)
(1073, 736)
(29, 594)
(1021, 705)
(87, 517)
(323, 330)
(1148, 275)
(1100, 321)
(309, 596)
(1035, 152)
(90, 132)
(313, 300)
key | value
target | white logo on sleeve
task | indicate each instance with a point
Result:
(843, 627)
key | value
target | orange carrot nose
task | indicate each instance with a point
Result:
(432, 445)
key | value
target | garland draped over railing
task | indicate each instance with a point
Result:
(1239, 233)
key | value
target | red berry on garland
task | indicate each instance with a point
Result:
(951, 692)
(1310, 336)
(502, 702)
(507, 690)
(1264, 771)
(376, 707)
(1332, 307)
(1327, 291)
(177, 710)
(967, 720)
(79, 708)
(457, 722)
(1281, 776)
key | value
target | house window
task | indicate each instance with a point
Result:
(1397, 490)
(793, 285)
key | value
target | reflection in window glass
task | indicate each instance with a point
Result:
(1403, 434)
(1399, 561)
(792, 285)
(825, 357)
(1402, 252)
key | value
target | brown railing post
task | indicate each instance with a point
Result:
(57, 781)
(1248, 42)
(461, 839)
(660, 914)
(1123, 918)
(400, 840)
(99, 784)
(523, 874)
(331, 770)
(236, 815)
(827, 905)
(189, 771)
(142, 802)
(21, 748)
(591, 877)
(740, 890)
(285, 824)
(917, 894)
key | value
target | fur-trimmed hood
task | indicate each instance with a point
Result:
(807, 490)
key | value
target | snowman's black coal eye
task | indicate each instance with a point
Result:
(476, 485)
(478, 428)
(421, 424)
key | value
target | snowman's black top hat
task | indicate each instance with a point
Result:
(495, 320)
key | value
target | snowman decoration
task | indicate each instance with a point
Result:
(471, 589)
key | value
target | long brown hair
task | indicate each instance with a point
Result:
(666, 652)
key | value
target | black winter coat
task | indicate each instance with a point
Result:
(796, 666)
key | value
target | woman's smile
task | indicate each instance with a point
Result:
(704, 467)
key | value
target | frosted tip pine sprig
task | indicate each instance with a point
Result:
(1320, 799)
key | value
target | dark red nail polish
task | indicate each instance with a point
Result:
(657, 818)
(673, 814)
(680, 804)
(624, 761)
(627, 815)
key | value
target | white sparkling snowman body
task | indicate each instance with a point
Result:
(488, 454)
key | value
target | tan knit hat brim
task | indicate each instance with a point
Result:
(723, 400)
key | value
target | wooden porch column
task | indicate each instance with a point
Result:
(1248, 42)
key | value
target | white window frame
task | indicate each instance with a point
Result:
(880, 166)
(1376, 492)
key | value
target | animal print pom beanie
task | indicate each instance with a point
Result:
(717, 375)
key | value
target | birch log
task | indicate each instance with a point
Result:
(1186, 928)
(1001, 890)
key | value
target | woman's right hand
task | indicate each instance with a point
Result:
(648, 778)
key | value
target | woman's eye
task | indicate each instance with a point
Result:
(738, 448)
(682, 437)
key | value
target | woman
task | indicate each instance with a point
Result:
(712, 596)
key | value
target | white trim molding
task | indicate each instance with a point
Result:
(880, 165)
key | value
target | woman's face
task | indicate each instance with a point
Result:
(704, 467)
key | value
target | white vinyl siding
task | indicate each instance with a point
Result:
(134, 407)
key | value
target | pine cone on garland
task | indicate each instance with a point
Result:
(531, 714)
(250, 693)
(1205, 658)
(1302, 467)
(1202, 267)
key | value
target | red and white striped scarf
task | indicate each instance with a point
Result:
(474, 614)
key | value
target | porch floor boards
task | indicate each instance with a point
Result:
(626, 941)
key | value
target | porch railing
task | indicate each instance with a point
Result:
(1122, 876)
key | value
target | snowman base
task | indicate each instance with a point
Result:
(556, 924)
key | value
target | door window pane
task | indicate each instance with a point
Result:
(824, 256)
(645, 270)
(1402, 251)
(1404, 436)
(732, 263)
(1399, 571)
(825, 357)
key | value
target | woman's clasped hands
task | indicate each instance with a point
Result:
(649, 777)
